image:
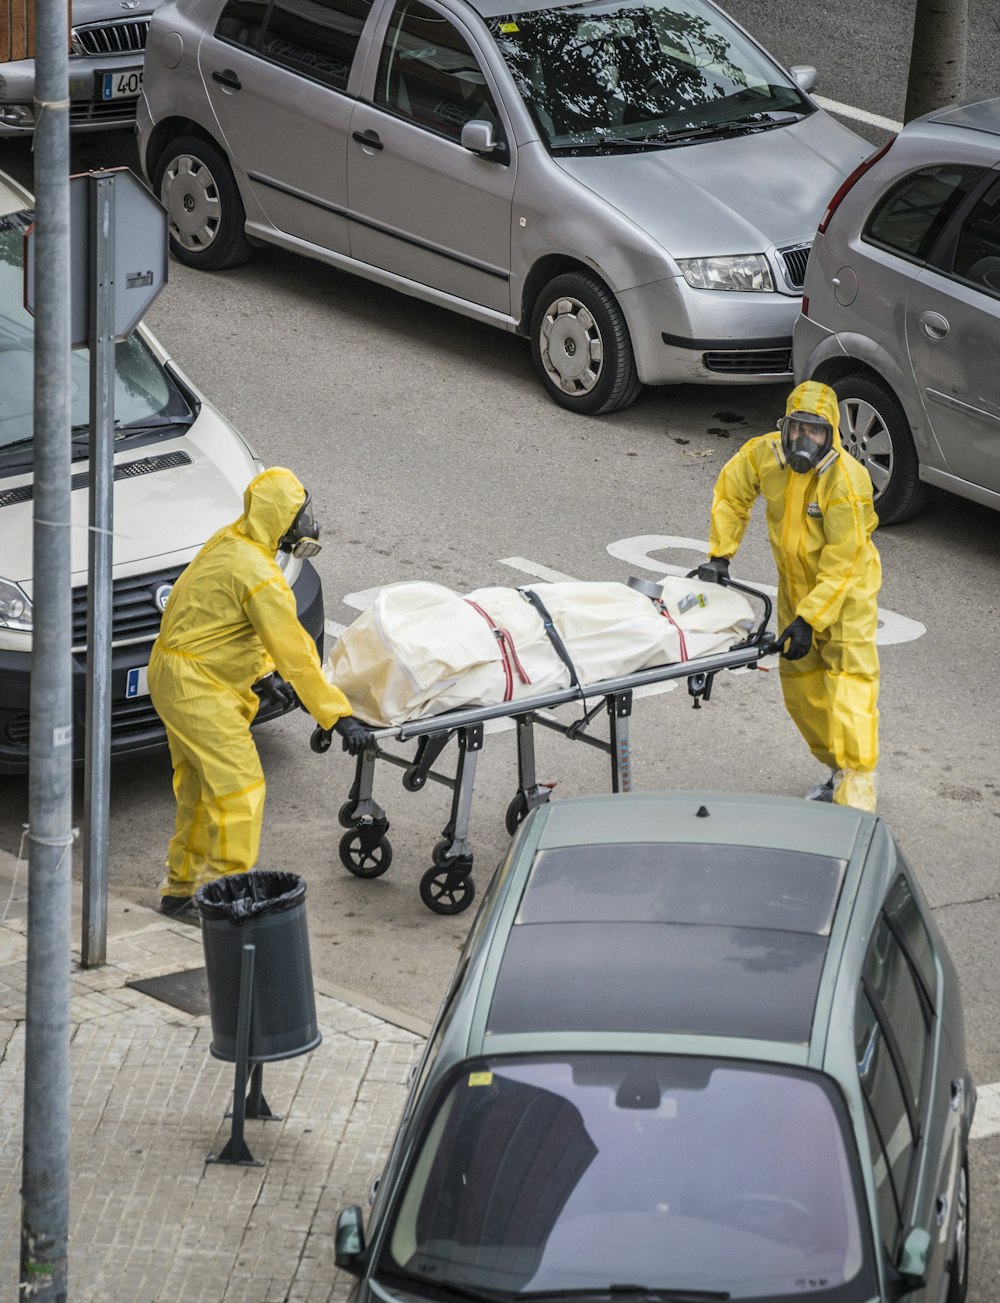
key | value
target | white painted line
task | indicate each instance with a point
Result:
(987, 1119)
(334, 629)
(859, 115)
(533, 568)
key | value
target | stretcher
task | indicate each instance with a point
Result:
(447, 886)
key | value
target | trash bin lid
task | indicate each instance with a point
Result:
(242, 896)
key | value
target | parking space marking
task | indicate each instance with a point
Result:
(987, 1119)
(859, 115)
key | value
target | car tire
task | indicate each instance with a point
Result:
(958, 1269)
(581, 347)
(875, 431)
(195, 184)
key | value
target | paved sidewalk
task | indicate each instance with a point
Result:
(149, 1220)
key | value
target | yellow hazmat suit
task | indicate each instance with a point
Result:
(820, 525)
(230, 619)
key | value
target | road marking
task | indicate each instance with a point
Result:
(892, 628)
(859, 115)
(987, 1119)
(539, 572)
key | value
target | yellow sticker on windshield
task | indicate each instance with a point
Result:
(509, 28)
(480, 1078)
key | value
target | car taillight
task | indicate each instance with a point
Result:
(851, 181)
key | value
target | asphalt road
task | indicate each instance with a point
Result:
(432, 453)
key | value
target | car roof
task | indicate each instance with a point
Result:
(13, 197)
(671, 915)
(974, 115)
(495, 8)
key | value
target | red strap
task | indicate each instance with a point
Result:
(662, 608)
(508, 652)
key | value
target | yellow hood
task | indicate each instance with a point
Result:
(818, 400)
(270, 503)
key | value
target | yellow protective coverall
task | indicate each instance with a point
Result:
(820, 527)
(230, 619)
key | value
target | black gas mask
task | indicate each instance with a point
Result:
(805, 440)
(301, 538)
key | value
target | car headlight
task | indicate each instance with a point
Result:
(741, 271)
(15, 607)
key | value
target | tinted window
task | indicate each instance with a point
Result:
(889, 1221)
(912, 215)
(428, 73)
(316, 38)
(241, 22)
(977, 256)
(901, 909)
(884, 1094)
(892, 983)
(580, 1171)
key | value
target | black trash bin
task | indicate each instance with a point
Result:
(268, 911)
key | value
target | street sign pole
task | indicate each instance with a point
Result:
(97, 755)
(45, 1133)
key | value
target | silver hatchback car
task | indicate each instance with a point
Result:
(632, 184)
(902, 311)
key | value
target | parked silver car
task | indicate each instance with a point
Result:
(902, 310)
(633, 184)
(107, 41)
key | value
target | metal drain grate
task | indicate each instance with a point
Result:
(187, 990)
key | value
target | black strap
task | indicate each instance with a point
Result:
(552, 632)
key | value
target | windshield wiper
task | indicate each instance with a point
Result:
(663, 1293)
(735, 127)
(614, 142)
(453, 1289)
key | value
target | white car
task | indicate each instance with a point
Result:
(180, 472)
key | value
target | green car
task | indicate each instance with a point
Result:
(698, 1046)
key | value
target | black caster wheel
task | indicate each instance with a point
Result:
(413, 779)
(516, 813)
(444, 892)
(345, 815)
(363, 856)
(439, 855)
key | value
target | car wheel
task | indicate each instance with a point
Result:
(196, 186)
(875, 431)
(581, 346)
(958, 1278)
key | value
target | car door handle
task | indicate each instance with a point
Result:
(934, 325)
(228, 78)
(369, 138)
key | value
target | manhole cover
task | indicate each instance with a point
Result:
(187, 990)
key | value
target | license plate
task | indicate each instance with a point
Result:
(123, 85)
(135, 682)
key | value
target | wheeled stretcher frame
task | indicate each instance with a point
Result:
(447, 887)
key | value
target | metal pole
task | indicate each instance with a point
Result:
(937, 56)
(45, 1151)
(97, 754)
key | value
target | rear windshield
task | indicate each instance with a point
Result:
(580, 1172)
(637, 69)
(144, 393)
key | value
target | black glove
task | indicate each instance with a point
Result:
(356, 736)
(714, 569)
(275, 693)
(799, 636)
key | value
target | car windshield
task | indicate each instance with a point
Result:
(630, 71)
(589, 1173)
(144, 394)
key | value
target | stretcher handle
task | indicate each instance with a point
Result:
(752, 639)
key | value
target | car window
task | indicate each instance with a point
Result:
(428, 73)
(316, 38)
(911, 216)
(893, 987)
(977, 254)
(887, 1112)
(901, 910)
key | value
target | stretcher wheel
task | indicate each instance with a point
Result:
(516, 813)
(447, 891)
(439, 855)
(413, 779)
(365, 861)
(345, 815)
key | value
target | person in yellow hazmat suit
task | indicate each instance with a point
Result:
(820, 520)
(230, 625)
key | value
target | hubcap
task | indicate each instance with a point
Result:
(571, 347)
(191, 197)
(866, 437)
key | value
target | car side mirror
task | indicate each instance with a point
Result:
(913, 1259)
(804, 76)
(477, 136)
(349, 1243)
